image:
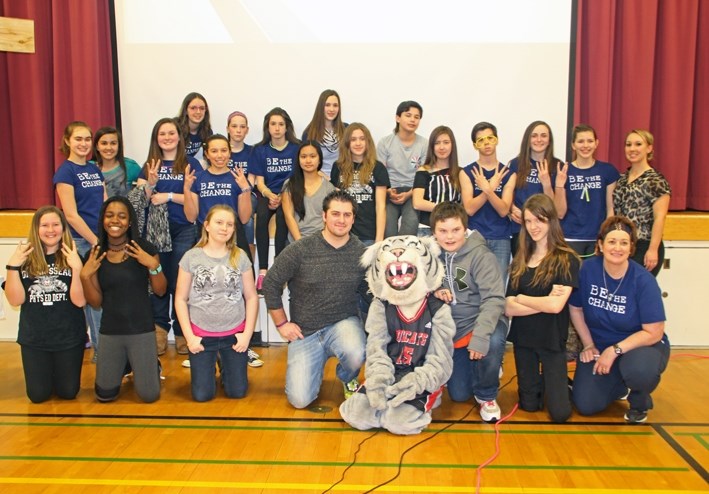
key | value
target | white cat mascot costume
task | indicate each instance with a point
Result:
(409, 338)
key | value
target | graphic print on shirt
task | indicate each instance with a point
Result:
(232, 281)
(459, 278)
(409, 341)
(361, 193)
(583, 184)
(205, 279)
(47, 289)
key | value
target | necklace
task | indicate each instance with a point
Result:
(605, 285)
(121, 249)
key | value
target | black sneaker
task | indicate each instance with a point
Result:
(634, 416)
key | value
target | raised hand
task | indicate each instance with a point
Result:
(136, 252)
(190, 177)
(543, 172)
(153, 168)
(562, 170)
(22, 252)
(72, 256)
(93, 262)
(240, 177)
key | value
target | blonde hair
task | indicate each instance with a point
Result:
(346, 164)
(36, 263)
(234, 250)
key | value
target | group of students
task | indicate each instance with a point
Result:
(395, 186)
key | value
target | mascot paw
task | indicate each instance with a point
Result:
(400, 394)
(377, 399)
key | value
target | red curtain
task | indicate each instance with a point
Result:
(69, 77)
(642, 64)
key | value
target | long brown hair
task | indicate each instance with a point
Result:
(234, 250)
(36, 264)
(68, 131)
(557, 259)
(524, 158)
(453, 167)
(346, 164)
(204, 129)
(316, 128)
(155, 153)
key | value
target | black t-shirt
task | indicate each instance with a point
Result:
(49, 320)
(126, 302)
(543, 330)
(437, 188)
(365, 225)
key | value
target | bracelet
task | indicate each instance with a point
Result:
(559, 187)
(588, 347)
(169, 197)
(245, 189)
(156, 271)
(282, 324)
(13, 268)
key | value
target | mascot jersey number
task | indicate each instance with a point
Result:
(409, 338)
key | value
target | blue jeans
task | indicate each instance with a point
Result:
(183, 239)
(479, 378)
(639, 369)
(502, 249)
(249, 227)
(409, 217)
(344, 340)
(233, 369)
(93, 316)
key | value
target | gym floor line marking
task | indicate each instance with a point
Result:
(647, 432)
(339, 487)
(450, 466)
(618, 423)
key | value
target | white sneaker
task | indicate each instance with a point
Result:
(489, 410)
(254, 359)
(186, 363)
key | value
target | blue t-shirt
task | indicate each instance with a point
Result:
(87, 181)
(491, 225)
(615, 309)
(193, 144)
(167, 182)
(586, 200)
(531, 186)
(273, 165)
(214, 189)
(241, 158)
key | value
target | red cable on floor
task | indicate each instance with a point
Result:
(478, 471)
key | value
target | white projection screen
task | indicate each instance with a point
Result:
(464, 61)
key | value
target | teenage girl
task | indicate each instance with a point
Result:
(217, 304)
(543, 273)
(194, 122)
(116, 276)
(584, 192)
(163, 176)
(534, 166)
(437, 180)
(43, 280)
(360, 174)
(120, 173)
(327, 128)
(304, 192)
(237, 130)
(274, 159)
(81, 190)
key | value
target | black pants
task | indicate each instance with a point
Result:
(263, 216)
(546, 384)
(48, 372)
(641, 248)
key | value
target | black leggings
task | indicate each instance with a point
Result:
(263, 216)
(52, 372)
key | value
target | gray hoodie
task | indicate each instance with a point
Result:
(473, 277)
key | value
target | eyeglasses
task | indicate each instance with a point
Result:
(482, 140)
(196, 108)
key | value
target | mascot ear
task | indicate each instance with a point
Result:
(370, 254)
(432, 245)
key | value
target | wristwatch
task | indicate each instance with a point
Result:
(618, 350)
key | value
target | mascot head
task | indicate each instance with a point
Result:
(403, 269)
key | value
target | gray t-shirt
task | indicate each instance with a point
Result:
(216, 302)
(401, 161)
(313, 210)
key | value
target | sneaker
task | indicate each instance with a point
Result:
(634, 416)
(186, 363)
(254, 359)
(351, 387)
(259, 284)
(489, 410)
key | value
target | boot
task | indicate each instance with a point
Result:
(161, 339)
(181, 345)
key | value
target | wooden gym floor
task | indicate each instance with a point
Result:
(262, 445)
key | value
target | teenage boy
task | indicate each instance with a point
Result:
(473, 287)
(487, 188)
(402, 153)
